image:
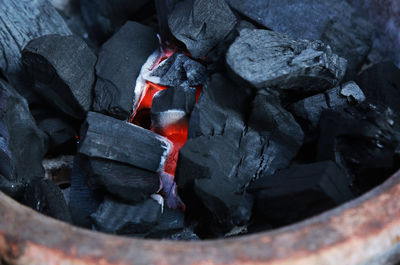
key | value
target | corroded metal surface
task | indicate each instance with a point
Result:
(365, 231)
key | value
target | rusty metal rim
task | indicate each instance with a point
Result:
(362, 232)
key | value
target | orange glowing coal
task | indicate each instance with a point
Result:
(176, 133)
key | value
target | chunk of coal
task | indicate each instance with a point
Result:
(381, 84)
(334, 22)
(269, 59)
(118, 218)
(201, 24)
(45, 196)
(12, 188)
(105, 16)
(309, 109)
(124, 181)
(62, 71)
(170, 223)
(60, 133)
(27, 142)
(83, 200)
(21, 22)
(300, 191)
(224, 153)
(171, 106)
(178, 70)
(362, 141)
(109, 138)
(119, 64)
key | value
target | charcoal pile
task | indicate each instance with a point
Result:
(192, 119)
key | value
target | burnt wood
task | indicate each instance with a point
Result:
(22, 21)
(109, 138)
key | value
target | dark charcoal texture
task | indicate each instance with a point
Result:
(83, 200)
(361, 140)
(381, 84)
(119, 64)
(309, 110)
(62, 71)
(269, 59)
(170, 223)
(334, 22)
(109, 138)
(45, 196)
(201, 24)
(300, 191)
(27, 142)
(171, 106)
(61, 135)
(124, 181)
(225, 153)
(105, 16)
(118, 218)
(178, 70)
(22, 21)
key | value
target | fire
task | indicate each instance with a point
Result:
(176, 133)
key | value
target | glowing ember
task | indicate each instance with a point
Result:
(176, 133)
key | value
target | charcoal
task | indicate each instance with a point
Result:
(178, 70)
(22, 129)
(169, 191)
(172, 105)
(170, 223)
(300, 191)
(60, 133)
(224, 153)
(381, 84)
(361, 140)
(124, 181)
(62, 71)
(109, 138)
(119, 64)
(269, 59)
(104, 17)
(12, 188)
(119, 218)
(83, 200)
(334, 22)
(6, 166)
(221, 104)
(21, 22)
(45, 196)
(309, 109)
(201, 24)
(186, 235)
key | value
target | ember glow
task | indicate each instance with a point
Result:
(176, 133)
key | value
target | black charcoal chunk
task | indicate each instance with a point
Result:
(21, 22)
(124, 181)
(46, 197)
(229, 147)
(109, 138)
(62, 71)
(381, 84)
(361, 140)
(61, 135)
(119, 218)
(172, 106)
(27, 142)
(201, 24)
(309, 109)
(103, 17)
(170, 223)
(300, 191)
(178, 70)
(83, 200)
(119, 64)
(270, 59)
(334, 22)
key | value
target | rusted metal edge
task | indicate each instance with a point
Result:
(365, 231)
